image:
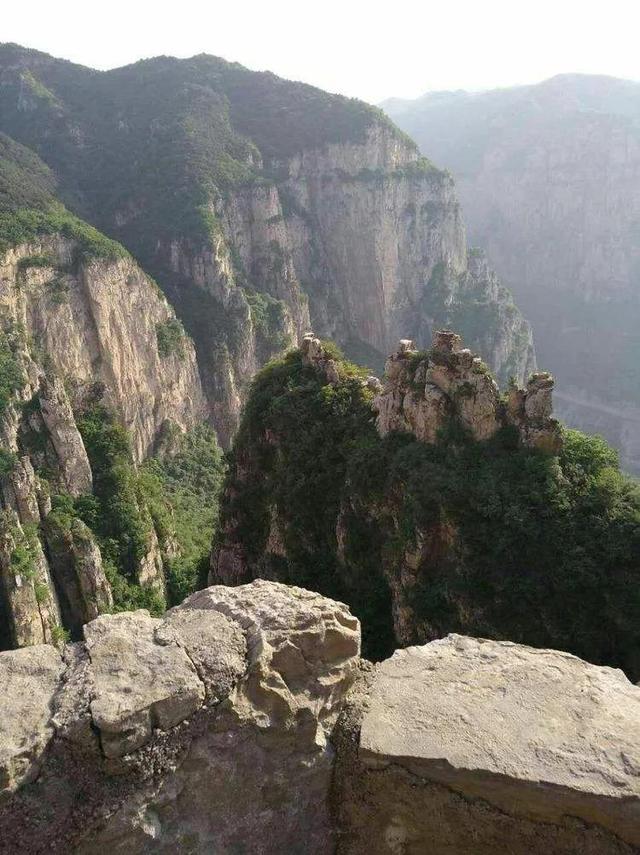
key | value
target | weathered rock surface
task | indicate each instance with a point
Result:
(472, 745)
(204, 731)
(29, 680)
(422, 392)
(97, 323)
(245, 721)
(81, 331)
(139, 684)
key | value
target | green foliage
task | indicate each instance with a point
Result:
(319, 427)
(509, 542)
(182, 493)
(25, 224)
(11, 373)
(60, 635)
(23, 555)
(269, 317)
(170, 336)
(35, 261)
(8, 460)
(116, 513)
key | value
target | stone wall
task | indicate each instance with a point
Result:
(245, 721)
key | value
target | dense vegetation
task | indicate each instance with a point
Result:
(166, 135)
(174, 498)
(510, 542)
(28, 207)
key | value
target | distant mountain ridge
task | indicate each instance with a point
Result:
(549, 179)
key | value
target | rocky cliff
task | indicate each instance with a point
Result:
(76, 332)
(245, 720)
(260, 206)
(548, 177)
(432, 502)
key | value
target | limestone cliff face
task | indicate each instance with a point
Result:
(246, 721)
(99, 322)
(548, 177)
(76, 331)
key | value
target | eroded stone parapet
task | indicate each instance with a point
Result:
(140, 682)
(501, 744)
(303, 650)
(225, 706)
(29, 681)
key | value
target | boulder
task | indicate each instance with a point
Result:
(141, 682)
(513, 748)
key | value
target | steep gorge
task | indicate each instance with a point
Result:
(261, 207)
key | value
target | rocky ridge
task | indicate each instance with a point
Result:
(245, 719)
(421, 393)
(432, 502)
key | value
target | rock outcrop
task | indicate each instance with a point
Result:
(468, 745)
(244, 720)
(432, 502)
(422, 393)
(76, 330)
(95, 323)
(204, 731)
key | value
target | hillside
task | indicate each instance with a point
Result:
(262, 207)
(548, 177)
(432, 504)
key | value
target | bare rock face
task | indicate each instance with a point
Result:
(58, 418)
(204, 731)
(29, 680)
(315, 355)
(76, 564)
(513, 748)
(98, 322)
(27, 593)
(422, 392)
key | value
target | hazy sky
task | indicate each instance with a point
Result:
(369, 50)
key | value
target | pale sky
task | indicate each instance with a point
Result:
(368, 50)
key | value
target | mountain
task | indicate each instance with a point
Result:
(549, 179)
(261, 207)
(431, 503)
